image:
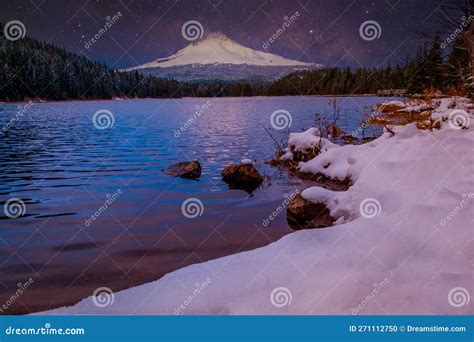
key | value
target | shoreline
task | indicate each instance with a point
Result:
(203, 97)
(392, 245)
(241, 223)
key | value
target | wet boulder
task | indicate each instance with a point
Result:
(190, 170)
(304, 214)
(243, 176)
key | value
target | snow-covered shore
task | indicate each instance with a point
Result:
(403, 243)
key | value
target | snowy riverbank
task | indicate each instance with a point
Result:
(403, 243)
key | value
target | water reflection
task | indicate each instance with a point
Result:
(63, 168)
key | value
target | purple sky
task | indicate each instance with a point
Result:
(327, 31)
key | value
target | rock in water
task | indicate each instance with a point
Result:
(304, 214)
(242, 176)
(191, 170)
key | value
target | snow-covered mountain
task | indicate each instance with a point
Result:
(218, 57)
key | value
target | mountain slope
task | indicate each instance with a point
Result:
(31, 69)
(219, 57)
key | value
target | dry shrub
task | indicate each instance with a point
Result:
(336, 131)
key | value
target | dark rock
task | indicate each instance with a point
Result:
(306, 155)
(349, 139)
(318, 179)
(367, 139)
(304, 214)
(191, 170)
(242, 176)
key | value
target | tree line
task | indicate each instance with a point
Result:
(32, 69)
(430, 70)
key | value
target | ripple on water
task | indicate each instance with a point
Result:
(64, 170)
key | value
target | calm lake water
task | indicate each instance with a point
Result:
(64, 169)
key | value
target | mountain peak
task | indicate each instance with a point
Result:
(216, 49)
(216, 35)
(213, 37)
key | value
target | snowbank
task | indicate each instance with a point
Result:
(394, 250)
(418, 106)
(389, 106)
(305, 142)
(452, 106)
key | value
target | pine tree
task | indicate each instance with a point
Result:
(435, 65)
(457, 70)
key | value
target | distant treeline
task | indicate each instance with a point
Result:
(33, 69)
(429, 70)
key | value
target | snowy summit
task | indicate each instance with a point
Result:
(219, 57)
(219, 49)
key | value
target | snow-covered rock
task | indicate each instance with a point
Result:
(418, 107)
(450, 107)
(305, 145)
(389, 106)
(303, 213)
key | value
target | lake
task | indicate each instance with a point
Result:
(98, 209)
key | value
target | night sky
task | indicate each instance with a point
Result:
(327, 31)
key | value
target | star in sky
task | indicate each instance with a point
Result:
(323, 32)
